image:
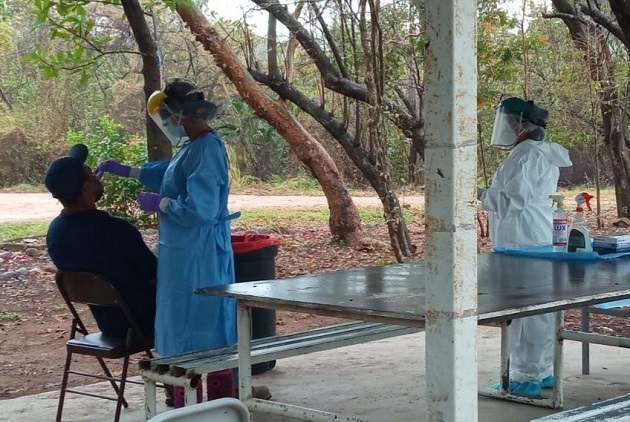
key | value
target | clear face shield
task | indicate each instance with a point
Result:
(506, 129)
(162, 116)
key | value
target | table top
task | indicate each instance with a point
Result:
(508, 287)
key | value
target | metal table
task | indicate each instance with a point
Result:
(508, 287)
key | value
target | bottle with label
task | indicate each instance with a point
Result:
(579, 237)
(560, 224)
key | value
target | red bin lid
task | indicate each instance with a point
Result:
(249, 242)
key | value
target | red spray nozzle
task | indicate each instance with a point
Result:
(584, 198)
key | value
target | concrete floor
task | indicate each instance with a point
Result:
(381, 382)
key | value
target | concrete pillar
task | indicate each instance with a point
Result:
(451, 243)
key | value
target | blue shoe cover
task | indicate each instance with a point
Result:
(548, 382)
(526, 389)
(495, 387)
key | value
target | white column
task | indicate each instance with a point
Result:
(451, 243)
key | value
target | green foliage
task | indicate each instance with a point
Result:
(121, 193)
(10, 316)
(397, 156)
(6, 38)
(73, 27)
(9, 231)
(498, 51)
(300, 183)
(24, 158)
(188, 3)
(258, 150)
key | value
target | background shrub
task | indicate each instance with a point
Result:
(121, 193)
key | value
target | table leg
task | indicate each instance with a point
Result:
(243, 322)
(190, 394)
(150, 399)
(558, 393)
(505, 358)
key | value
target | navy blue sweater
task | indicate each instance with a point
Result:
(94, 241)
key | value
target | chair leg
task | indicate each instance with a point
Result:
(121, 392)
(112, 382)
(64, 385)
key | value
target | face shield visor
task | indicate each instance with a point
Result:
(165, 119)
(506, 129)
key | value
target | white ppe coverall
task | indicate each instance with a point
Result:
(520, 214)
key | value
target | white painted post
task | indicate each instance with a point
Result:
(451, 243)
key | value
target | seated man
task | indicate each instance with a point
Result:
(83, 238)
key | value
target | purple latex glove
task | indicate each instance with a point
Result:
(149, 201)
(112, 166)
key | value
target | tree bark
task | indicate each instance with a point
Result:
(344, 217)
(158, 145)
(589, 38)
(372, 49)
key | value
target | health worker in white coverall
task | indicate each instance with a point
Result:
(520, 214)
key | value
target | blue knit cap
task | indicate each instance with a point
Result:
(65, 175)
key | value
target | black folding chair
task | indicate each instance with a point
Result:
(94, 290)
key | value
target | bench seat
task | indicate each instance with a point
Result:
(186, 369)
(618, 308)
(615, 409)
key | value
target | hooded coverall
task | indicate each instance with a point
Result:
(520, 214)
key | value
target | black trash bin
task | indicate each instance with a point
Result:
(255, 259)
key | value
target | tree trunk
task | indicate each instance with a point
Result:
(158, 145)
(344, 217)
(591, 40)
(371, 160)
(372, 49)
(416, 169)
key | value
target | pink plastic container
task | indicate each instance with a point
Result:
(220, 384)
(178, 395)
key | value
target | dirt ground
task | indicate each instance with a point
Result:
(34, 322)
(16, 207)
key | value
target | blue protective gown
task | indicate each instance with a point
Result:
(194, 247)
(520, 215)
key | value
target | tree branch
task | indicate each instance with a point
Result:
(332, 78)
(325, 118)
(330, 39)
(602, 19)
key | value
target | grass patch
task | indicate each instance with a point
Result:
(24, 188)
(274, 218)
(269, 218)
(10, 231)
(10, 316)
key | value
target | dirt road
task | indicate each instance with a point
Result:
(15, 207)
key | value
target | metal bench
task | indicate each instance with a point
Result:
(619, 308)
(615, 409)
(185, 370)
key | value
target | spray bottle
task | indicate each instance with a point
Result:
(579, 237)
(560, 224)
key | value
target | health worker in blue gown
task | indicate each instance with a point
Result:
(194, 223)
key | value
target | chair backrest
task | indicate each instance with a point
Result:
(94, 290)
(87, 288)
